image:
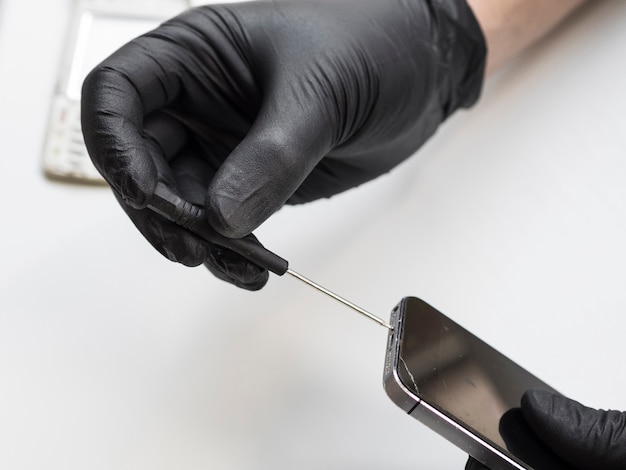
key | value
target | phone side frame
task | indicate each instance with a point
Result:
(442, 424)
(83, 12)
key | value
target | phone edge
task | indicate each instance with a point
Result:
(434, 419)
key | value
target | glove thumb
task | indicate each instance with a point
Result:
(584, 437)
(285, 143)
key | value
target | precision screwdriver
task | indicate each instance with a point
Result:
(193, 218)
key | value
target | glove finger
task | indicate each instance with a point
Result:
(585, 437)
(116, 97)
(192, 175)
(187, 174)
(166, 237)
(165, 133)
(281, 149)
(164, 138)
(234, 269)
(473, 464)
(524, 444)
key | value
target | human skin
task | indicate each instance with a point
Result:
(511, 26)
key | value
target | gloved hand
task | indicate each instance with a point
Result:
(245, 107)
(473, 464)
(585, 438)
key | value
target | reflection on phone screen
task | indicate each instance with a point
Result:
(464, 378)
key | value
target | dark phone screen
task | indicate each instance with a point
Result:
(466, 379)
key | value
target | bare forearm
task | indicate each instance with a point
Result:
(510, 26)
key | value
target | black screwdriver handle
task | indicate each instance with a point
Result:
(193, 218)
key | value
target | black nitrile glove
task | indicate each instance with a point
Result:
(584, 438)
(588, 439)
(524, 444)
(473, 464)
(244, 107)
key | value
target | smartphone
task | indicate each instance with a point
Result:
(442, 375)
(97, 29)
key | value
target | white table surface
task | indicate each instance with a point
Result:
(512, 220)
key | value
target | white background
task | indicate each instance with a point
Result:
(511, 220)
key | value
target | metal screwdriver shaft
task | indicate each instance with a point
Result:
(354, 307)
(193, 218)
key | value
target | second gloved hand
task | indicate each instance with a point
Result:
(583, 438)
(244, 107)
(586, 438)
